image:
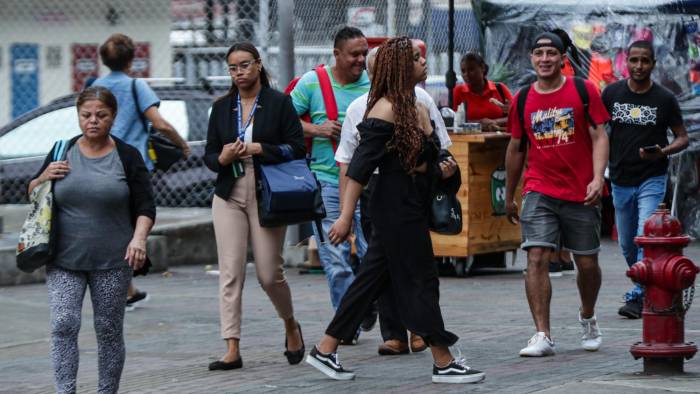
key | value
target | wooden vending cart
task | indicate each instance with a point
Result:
(486, 232)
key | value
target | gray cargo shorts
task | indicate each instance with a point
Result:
(550, 222)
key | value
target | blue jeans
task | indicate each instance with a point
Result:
(336, 259)
(633, 206)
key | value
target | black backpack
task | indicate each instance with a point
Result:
(522, 97)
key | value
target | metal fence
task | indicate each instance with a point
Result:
(49, 50)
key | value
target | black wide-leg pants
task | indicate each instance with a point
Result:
(415, 289)
(389, 320)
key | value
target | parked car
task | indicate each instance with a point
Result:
(25, 142)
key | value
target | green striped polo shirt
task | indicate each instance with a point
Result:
(307, 98)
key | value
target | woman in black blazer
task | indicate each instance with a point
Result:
(252, 125)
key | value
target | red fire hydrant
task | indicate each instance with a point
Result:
(665, 273)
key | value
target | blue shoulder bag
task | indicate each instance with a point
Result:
(289, 193)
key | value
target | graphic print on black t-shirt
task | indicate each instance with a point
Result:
(634, 114)
(553, 127)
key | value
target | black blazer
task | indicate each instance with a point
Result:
(276, 127)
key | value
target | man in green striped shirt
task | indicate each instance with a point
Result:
(349, 81)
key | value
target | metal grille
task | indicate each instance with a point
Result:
(49, 51)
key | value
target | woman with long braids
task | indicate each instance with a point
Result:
(397, 137)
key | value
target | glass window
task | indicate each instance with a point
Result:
(37, 136)
(175, 112)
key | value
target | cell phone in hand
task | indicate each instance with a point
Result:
(651, 148)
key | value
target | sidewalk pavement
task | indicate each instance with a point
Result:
(171, 339)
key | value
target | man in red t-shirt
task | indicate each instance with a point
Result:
(562, 188)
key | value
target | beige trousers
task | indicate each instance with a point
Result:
(235, 221)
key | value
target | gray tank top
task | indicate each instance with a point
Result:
(94, 222)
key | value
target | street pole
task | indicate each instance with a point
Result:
(285, 21)
(264, 28)
(210, 21)
(285, 24)
(391, 18)
(450, 76)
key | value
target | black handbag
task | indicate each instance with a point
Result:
(163, 152)
(445, 208)
(445, 213)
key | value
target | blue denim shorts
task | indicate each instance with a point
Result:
(550, 222)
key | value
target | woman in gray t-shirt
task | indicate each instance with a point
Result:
(104, 212)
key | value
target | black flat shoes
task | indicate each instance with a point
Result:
(219, 365)
(295, 357)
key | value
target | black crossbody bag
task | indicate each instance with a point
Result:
(163, 152)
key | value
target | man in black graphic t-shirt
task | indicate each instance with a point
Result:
(642, 112)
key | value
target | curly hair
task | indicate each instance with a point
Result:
(393, 79)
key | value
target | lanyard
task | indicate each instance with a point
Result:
(241, 127)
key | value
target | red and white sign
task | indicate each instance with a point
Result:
(85, 64)
(141, 66)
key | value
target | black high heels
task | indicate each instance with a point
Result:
(295, 356)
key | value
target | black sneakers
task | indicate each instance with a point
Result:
(140, 297)
(632, 309)
(555, 270)
(370, 319)
(457, 371)
(329, 365)
(567, 267)
(353, 341)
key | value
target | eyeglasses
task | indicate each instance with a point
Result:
(243, 66)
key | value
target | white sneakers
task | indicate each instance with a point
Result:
(538, 346)
(591, 338)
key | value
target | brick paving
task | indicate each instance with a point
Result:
(171, 340)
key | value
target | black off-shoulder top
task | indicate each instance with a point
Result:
(372, 152)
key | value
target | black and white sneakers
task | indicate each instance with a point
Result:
(457, 371)
(329, 365)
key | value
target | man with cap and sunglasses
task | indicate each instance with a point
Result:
(562, 122)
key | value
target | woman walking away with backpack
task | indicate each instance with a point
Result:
(252, 125)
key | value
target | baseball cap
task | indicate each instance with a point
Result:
(554, 41)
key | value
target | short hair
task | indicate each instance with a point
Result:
(642, 44)
(99, 93)
(475, 58)
(371, 57)
(117, 52)
(346, 33)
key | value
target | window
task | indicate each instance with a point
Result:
(37, 136)
(175, 112)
